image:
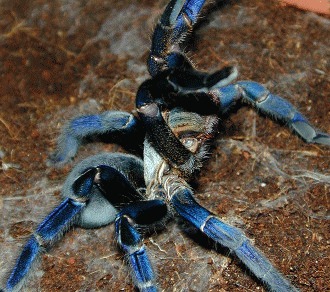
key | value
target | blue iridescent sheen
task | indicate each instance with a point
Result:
(129, 220)
(191, 10)
(227, 95)
(52, 226)
(85, 124)
(141, 266)
(230, 237)
(58, 220)
(24, 263)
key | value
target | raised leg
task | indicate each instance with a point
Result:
(87, 202)
(177, 20)
(130, 221)
(113, 126)
(177, 90)
(230, 237)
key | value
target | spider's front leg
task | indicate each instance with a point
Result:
(111, 126)
(172, 73)
(229, 237)
(177, 20)
(92, 191)
(273, 106)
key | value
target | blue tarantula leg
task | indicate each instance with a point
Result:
(279, 108)
(113, 179)
(177, 20)
(271, 105)
(87, 202)
(113, 126)
(50, 229)
(230, 237)
(139, 216)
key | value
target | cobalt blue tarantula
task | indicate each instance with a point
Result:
(178, 112)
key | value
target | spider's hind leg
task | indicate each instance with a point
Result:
(91, 192)
(53, 226)
(133, 219)
(110, 180)
(230, 237)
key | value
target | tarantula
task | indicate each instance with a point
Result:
(178, 112)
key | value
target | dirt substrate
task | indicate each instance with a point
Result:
(60, 59)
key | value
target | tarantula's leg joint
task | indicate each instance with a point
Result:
(87, 195)
(112, 183)
(279, 108)
(199, 91)
(137, 216)
(109, 181)
(230, 237)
